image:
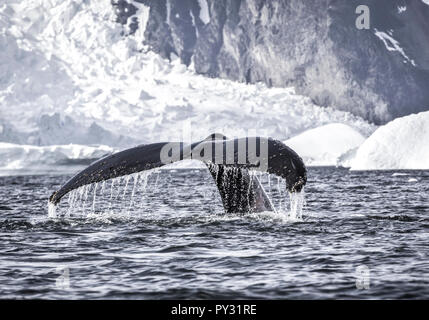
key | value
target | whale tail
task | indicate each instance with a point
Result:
(228, 160)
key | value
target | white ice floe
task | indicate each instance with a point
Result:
(325, 145)
(400, 144)
(186, 164)
(399, 174)
(48, 158)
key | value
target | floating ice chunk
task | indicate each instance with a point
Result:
(186, 164)
(400, 144)
(323, 146)
(396, 174)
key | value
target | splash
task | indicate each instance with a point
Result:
(275, 187)
(52, 210)
(94, 199)
(297, 203)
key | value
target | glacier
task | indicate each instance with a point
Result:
(24, 159)
(72, 74)
(77, 84)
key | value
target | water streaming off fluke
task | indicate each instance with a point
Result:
(134, 194)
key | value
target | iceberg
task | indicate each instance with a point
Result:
(325, 145)
(400, 144)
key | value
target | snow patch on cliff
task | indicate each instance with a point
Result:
(204, 11)
(141, 17)
(402, 9)
(393, 45)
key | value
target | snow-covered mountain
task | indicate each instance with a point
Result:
(87, 73)
(378, 73)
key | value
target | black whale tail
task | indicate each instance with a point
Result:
(240, 192)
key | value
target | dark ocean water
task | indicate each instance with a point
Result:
(362, 235)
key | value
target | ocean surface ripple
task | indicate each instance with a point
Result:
(362, 235)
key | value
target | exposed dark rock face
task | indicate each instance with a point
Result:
(379, 74)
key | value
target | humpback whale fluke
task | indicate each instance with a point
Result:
(228, 160)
